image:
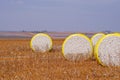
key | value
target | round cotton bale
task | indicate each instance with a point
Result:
(107, 50)
(96, 37)
(41, 43)
(77, 47)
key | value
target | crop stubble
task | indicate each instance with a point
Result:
(19, 62)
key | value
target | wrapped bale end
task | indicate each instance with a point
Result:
(77, 47)
(108, 50)
(41, 43)
(96, 37)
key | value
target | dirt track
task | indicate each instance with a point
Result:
(19, 62)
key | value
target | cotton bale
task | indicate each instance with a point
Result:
(77, 47)
(41, 42)
(96, 37)
(107, 50)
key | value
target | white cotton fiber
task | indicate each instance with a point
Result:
(41, 42)
(95, 38)
(108, 50)
(77, 47)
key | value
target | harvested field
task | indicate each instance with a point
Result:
(19, 62)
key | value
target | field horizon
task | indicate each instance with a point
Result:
(30, 34)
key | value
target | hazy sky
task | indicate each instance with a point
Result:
(60, 15)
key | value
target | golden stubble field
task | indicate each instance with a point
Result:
(19, 62)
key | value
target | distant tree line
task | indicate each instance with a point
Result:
(44, 31)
